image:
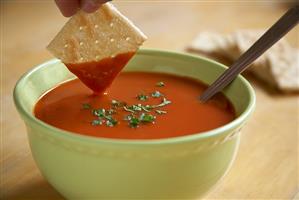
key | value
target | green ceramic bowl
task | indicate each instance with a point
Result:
(83, 167)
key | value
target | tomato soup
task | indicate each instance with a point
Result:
(138, 105)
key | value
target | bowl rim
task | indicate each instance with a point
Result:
(90, 139)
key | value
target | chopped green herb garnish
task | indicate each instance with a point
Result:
(111, 122)
(99, 112)
(146, 118)
(96, 122)
(157, 94)
(111, 111)
(160, 112)
(104, 115)
(86, 106)
(134, 122)
(142, 97)
(160, 84)
(128, 109)
(136, 108)
(147, 108)
(133, 108)
(139, 114)
(108, 117)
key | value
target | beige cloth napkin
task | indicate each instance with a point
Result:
(279, 66)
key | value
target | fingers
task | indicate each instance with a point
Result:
(90, 6)
(68, 7)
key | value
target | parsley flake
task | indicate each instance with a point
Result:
(111, 122)
(146, 118)
(160, 84)
(96, 122)
(99, 112)
(142, 97)
(134, 122)
(157, 94)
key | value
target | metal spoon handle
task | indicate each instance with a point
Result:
(288, 21)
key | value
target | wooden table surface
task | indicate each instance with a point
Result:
(267, 163)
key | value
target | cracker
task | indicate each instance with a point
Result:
(92, 37)
(278, 66)
(285, 68)
(210, 42)
(215, 45)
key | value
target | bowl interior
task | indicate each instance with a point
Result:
(47, 75)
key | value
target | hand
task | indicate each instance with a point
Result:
(70, 7)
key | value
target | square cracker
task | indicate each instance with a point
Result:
(92, 37)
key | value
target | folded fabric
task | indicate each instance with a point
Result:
(279, 66)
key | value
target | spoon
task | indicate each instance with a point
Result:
(288, 21)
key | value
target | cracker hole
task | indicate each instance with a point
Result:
(111, 24)
(97, 41)
(96, 26)
(128, 38)
(81, 43)
(65, 46)
(111, 40)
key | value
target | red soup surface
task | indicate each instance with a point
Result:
(138, 105)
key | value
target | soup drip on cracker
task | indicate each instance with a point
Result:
(96, 47)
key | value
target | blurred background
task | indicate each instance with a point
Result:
(267, 164)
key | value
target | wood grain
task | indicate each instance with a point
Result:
(267, 163)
